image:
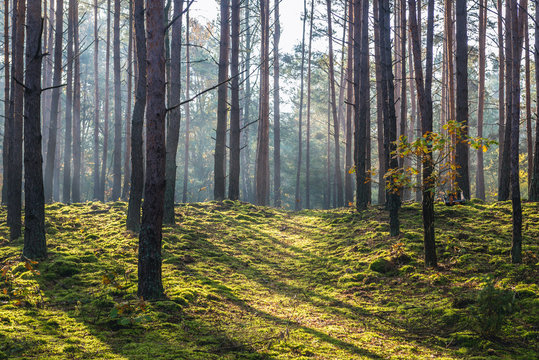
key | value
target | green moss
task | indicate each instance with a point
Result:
(248, 282)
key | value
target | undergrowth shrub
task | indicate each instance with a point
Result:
(492, 308)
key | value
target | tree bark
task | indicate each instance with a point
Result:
(462, 149)
(382, 163)
(518, 15)
(534, 187)
(300, 121)
(220, 142)
(390, 119)
(106, 110)
(77, 155)
(187, 107)
(246, 153)
(234, 176)
(529, 136)
(308, 135)
(150, 285)
(35, 246)
(117, 158)
(425, 104)
(66, 189)
(173, 128)
(262, 149)
(336, 127)
(15, 156)
(5, 143)
(97, 108)
(501, 92)
(137, 124)
(348, 180)
(480, 179)
(505, 181)
(276, 109)
(127, 151)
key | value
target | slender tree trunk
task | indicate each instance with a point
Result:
(106, 110)
(505, 181)
(77, 155)
(501, 92)
(246, 153)
(127, 151)
(262, 149)
(276, 109)
(66, 189)
(403, 99)
(415, 125)
(336, 135)
(329, 187)
(48, 75)
(234, 177)
(382, 155)
(390, 119)
(534, 187)
(462, 149)
(480, 179)
(97, 178)
(425, 102)
(35, 246)
(529, 136)
(173, 128)
(348, 180)
(149, 263)
(14, 183)
(220, 142)
(300, 123)
(7, 82)
(117, 158)
(308, 135)
(137, 157)
(187, 107)
(450, 57)
(518, 16)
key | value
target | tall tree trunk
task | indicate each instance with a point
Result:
(480, 179)
(246, 153)
(403, 99)
(149, 262)
(534, 187)
(14, 183)
(529, 136)
(220, 142)
(329, 187)
(66, 189)
(501, 92)
(77, 156)
(390, 119)
(300, 122)
(336, 135)
(450, 61)
(425, 104)
(505, 181)
(308, 135)
(117, 161)
(106, 110)
(173, 128)
(348, 180)
(48, 75)
(462, 149)
(234, 177)
(127, 151)
(187, 107)
(97, 178)
(35, 246)
(276, 109)
(137, 124)
(5, 143)
(262, 148)
(415, 125)
(518, 16)
(382, 155)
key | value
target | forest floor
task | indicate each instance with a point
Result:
(246, 282)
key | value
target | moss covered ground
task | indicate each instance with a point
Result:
(246, 282)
